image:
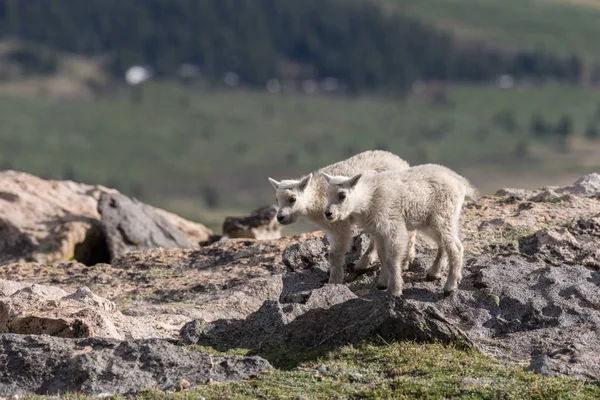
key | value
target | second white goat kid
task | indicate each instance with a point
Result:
(306, 197)
(390, 205)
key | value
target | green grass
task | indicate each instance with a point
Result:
(399, 371)
(559, 26)
(228, 143)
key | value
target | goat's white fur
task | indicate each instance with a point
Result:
(309, 193)
(393, 204)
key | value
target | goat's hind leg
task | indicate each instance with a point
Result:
(454, 249)
(396, 257)
(455, 255)
(412, 237)
(441, 260)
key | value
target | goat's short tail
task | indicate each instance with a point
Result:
(471, 191)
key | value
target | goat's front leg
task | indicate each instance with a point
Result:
(340, 241)
(383, 280)
(396, 247)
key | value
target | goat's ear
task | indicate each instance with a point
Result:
(274, 183)
(353, 181)
(327, 177)
(304, 182)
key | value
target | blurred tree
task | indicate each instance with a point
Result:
(356, 42)
(564, 130)
(591, 131)
(538, 126)
(211, 197)
(522, 149)
(506, 120)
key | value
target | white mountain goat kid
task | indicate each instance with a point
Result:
(306, 197)
(391, 204)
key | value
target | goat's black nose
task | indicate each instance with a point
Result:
(280, 218)
(328, 214)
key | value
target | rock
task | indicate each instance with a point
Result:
(37, 310)
(355, 377)
(493, 224)
(558, 245)
(332, 316)
(587, 185)
(191, 333)
(46, 365)
(8, 288)
(322, 369)
(183, 385)
(328, 296)
(52, 221)
(84, 295)
(314, 253)
(554, 310)
(196, 233)
(359, 319)
(297, 286)
(236, 334)
(558, 237)
(130, 225)
(309, 254)
(323, 298)
(541, 365)
(514, 194)
(260, 224)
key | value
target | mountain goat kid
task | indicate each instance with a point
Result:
(306, 197)
(389, 205)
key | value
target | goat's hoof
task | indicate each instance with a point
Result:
(431, 278)
(448, 293)
(381, 287)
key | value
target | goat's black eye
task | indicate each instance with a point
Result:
(342, 196)
(292, 200)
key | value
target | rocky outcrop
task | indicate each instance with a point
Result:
(260, 224)
(529, 291)
(326, 322)
(51, 221)
(368, 318)
(45, 365)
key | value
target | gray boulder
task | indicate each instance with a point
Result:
(378, 316)
(130, 225)
(47, 365)
(228, 334)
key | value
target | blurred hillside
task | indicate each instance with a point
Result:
(503, 91)
(563, 27)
